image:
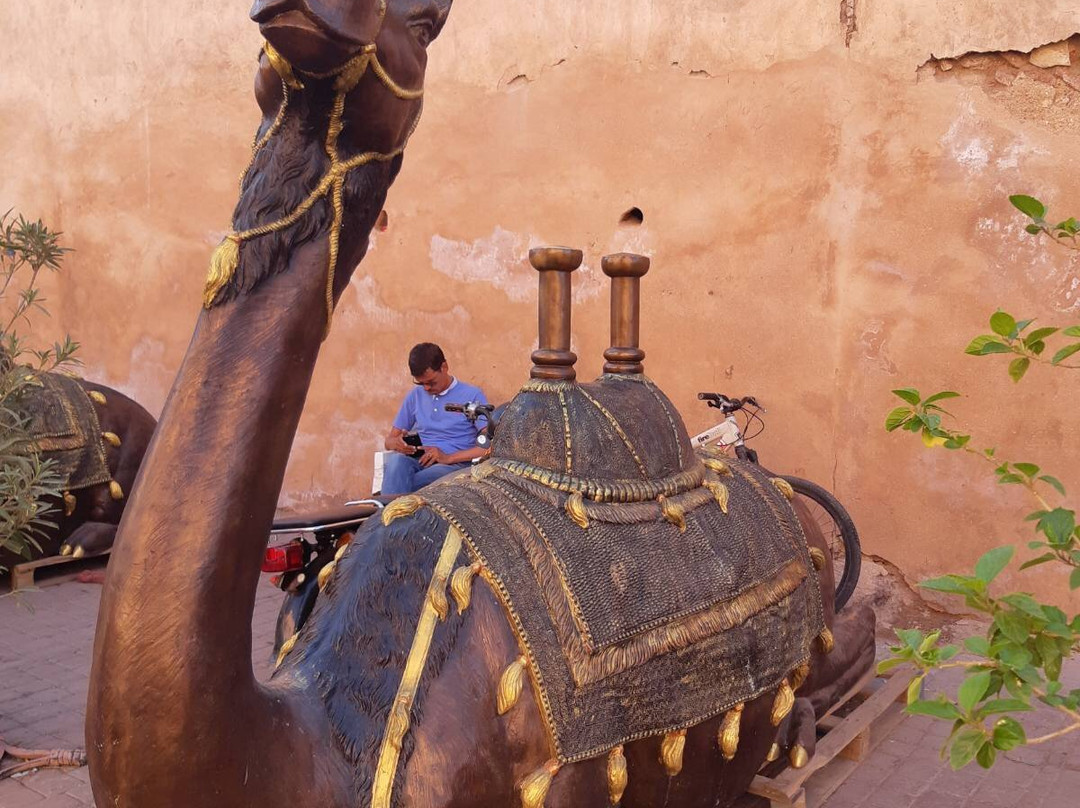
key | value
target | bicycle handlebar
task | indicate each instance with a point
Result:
(729, 405)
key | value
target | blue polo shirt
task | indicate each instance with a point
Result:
(449, 431)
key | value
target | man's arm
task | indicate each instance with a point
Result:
(433, 455)
(395, 442)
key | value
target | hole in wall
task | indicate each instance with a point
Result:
(632, 218)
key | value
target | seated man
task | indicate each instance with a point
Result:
(447, 439)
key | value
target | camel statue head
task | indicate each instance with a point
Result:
(340, 85)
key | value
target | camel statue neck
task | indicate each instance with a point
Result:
(176, 613)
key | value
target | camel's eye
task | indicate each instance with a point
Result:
(423, 29)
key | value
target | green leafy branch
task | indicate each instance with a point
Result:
(27, 482)
(1009, 338)
(1063, 233)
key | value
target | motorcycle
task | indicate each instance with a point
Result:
(300, 547)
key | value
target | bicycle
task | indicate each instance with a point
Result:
(834, 521)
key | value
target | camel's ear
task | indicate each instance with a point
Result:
(444, 12)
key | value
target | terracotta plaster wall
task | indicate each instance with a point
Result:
(827, 221)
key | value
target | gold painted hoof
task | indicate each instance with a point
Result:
(774, 753)
(798, 756)
(78, 552)
(65, 549)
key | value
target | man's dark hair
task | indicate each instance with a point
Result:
(425, 356)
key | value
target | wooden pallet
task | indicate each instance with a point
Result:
(22, 575)
(844, 740)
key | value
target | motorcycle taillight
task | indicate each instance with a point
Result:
(284, 558)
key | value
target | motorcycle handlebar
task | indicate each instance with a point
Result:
(455, 407)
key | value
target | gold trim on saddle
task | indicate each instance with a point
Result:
(397, 723)
(606, 490)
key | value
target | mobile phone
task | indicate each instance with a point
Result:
(412, 439)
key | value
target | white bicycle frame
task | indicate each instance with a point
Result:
(724, 434)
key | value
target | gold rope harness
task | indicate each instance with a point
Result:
(226, 257)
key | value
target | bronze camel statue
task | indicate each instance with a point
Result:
(422, 678)
(97, 437)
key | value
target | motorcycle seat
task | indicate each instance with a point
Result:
(326, 518)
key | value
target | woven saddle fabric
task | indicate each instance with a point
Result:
(64, 428)
(632, 627)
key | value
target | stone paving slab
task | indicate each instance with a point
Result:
(46, 638)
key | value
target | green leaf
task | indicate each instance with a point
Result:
(888, 664)
(1028, 205)
(1036, 562)
(1034, 229)
(1021, 325)
(929, 641)
(1007, 479)
(990, 565)
(1038, 334)
(986, 755)
(965, 747)
(1008, 734)
(914, 689)
(987, 344)
(911, 637)
(951, 584)
(1002, 323)
(1013, 625)
(972, 690)
(1026, 604)
(909, 394)
(977, 645)
(1065, 353)
(995, 706)
(1074, 579)
(944, 394)
(895, 419)
(937, 709)
(1054, 482)
(1058, 525)
(1048, 650)
(1030, 469)
(1018, 367)
(1072, 331)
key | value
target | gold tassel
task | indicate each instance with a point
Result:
(534, 787)
(782, 704)
(510, 685)
(439, 602)
(461, 585)
(784, 487)
(673, 512)
(115, 491)
(325, 573)
(818, 557)
(826, 639)
(617, 777)
(671, 751)
(223, 264)
(717, 465)
(282, 67)
(800, 675)
(720, 494)
(69, 503)
(575, 509)
(402, 506)
(798, 756)
(286, 647)
(774, 753)
(729, 731)
(111, 438)
(98, 397)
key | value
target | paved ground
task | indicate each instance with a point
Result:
(45, 644)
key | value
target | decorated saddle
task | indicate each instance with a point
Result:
(64, 428)
(650, 588)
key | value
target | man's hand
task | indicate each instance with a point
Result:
(396, 443)
(432, 455)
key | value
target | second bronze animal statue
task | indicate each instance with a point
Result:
(600, 616)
